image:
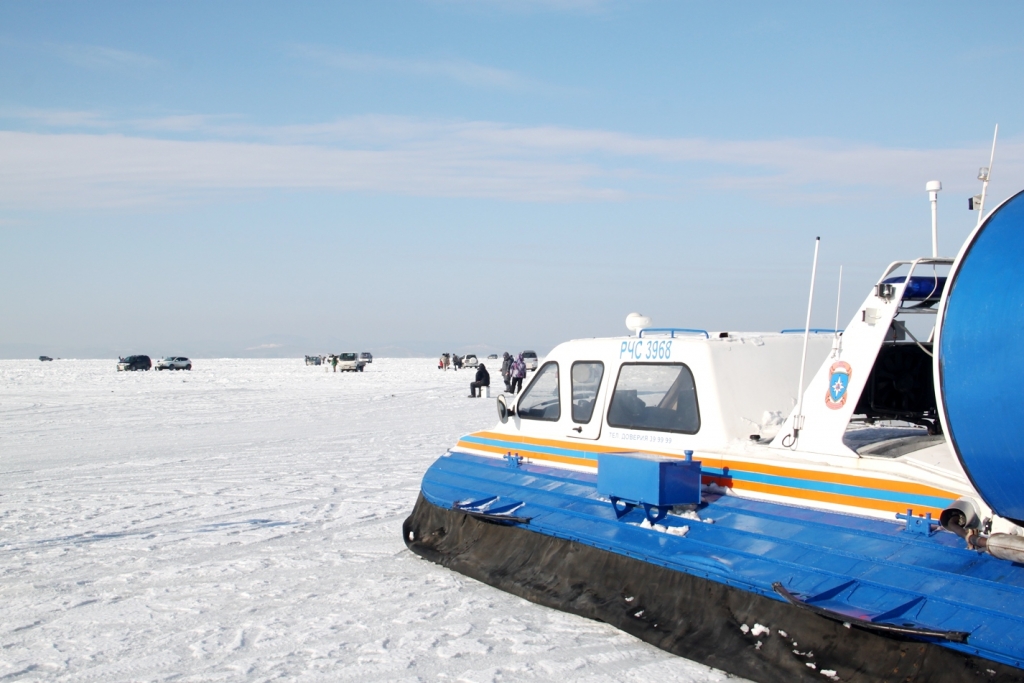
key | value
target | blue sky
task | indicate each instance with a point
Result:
(225, 179)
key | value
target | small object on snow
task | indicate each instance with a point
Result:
(745, 629)
(671, 530)
(692, 514)
(759, 629)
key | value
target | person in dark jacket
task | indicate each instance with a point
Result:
(483, 379)
(506, 370)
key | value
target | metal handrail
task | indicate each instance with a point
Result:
(813, 330)
(672, 331)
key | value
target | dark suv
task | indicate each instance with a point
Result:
(134, 363)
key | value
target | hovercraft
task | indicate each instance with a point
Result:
(868, 526)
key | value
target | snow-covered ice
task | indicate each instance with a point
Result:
(242, 521)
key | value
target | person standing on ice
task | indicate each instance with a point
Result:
(506, 370)
(483, 379)
(518, 374)
(334, 362)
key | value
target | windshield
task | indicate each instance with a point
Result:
(348, 356)
(529, 354)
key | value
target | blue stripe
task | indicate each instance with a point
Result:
(569, 453)
(829, 487)
(910, 499)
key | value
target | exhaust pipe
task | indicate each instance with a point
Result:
(1004, 546)
(962, 519)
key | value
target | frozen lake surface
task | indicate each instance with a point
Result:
(242, 521)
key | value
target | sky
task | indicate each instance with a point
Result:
(272, 179)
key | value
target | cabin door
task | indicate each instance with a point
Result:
(587, 399)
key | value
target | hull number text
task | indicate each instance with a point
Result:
(642, 349)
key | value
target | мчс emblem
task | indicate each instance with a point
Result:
(838, 383)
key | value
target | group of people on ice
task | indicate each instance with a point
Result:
(450, 360)
(513, 372)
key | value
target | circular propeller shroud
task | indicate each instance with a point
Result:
(980, 358)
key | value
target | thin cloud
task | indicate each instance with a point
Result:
(57, 118)
(458, 70)
(443, 158)
(99, 57)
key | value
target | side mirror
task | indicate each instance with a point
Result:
(504, 410)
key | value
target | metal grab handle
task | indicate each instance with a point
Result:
(952, 636)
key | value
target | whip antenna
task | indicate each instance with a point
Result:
(798, 419)
(984, 174)
(837, 340)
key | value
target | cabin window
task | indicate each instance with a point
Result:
(540, 400)
(586, 380)
(655, 396)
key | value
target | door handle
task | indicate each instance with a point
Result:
(578, 429)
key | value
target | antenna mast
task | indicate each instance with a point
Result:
(933, 187)
(837, 340)
(983, 176)
(798, 419)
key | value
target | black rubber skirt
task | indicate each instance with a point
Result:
(693, 617)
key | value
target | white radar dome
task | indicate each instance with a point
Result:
(636, 322)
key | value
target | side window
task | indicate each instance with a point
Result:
(586, 379)
(656, 396)
(540, 400)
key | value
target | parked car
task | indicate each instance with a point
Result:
(366, 357)
(314, 360)
(134, 363)
(493, 356)
(174, 363)
(45, 358)
(530, 358)
(350, 362)
(470, 361)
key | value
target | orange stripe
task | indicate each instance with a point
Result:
(836, 498)
(584, 462)
(720, 463)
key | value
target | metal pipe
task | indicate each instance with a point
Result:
(933, 187)
(1004, 546)
(987, 174)
(798, 420)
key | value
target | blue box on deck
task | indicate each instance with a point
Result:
(646, 478)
